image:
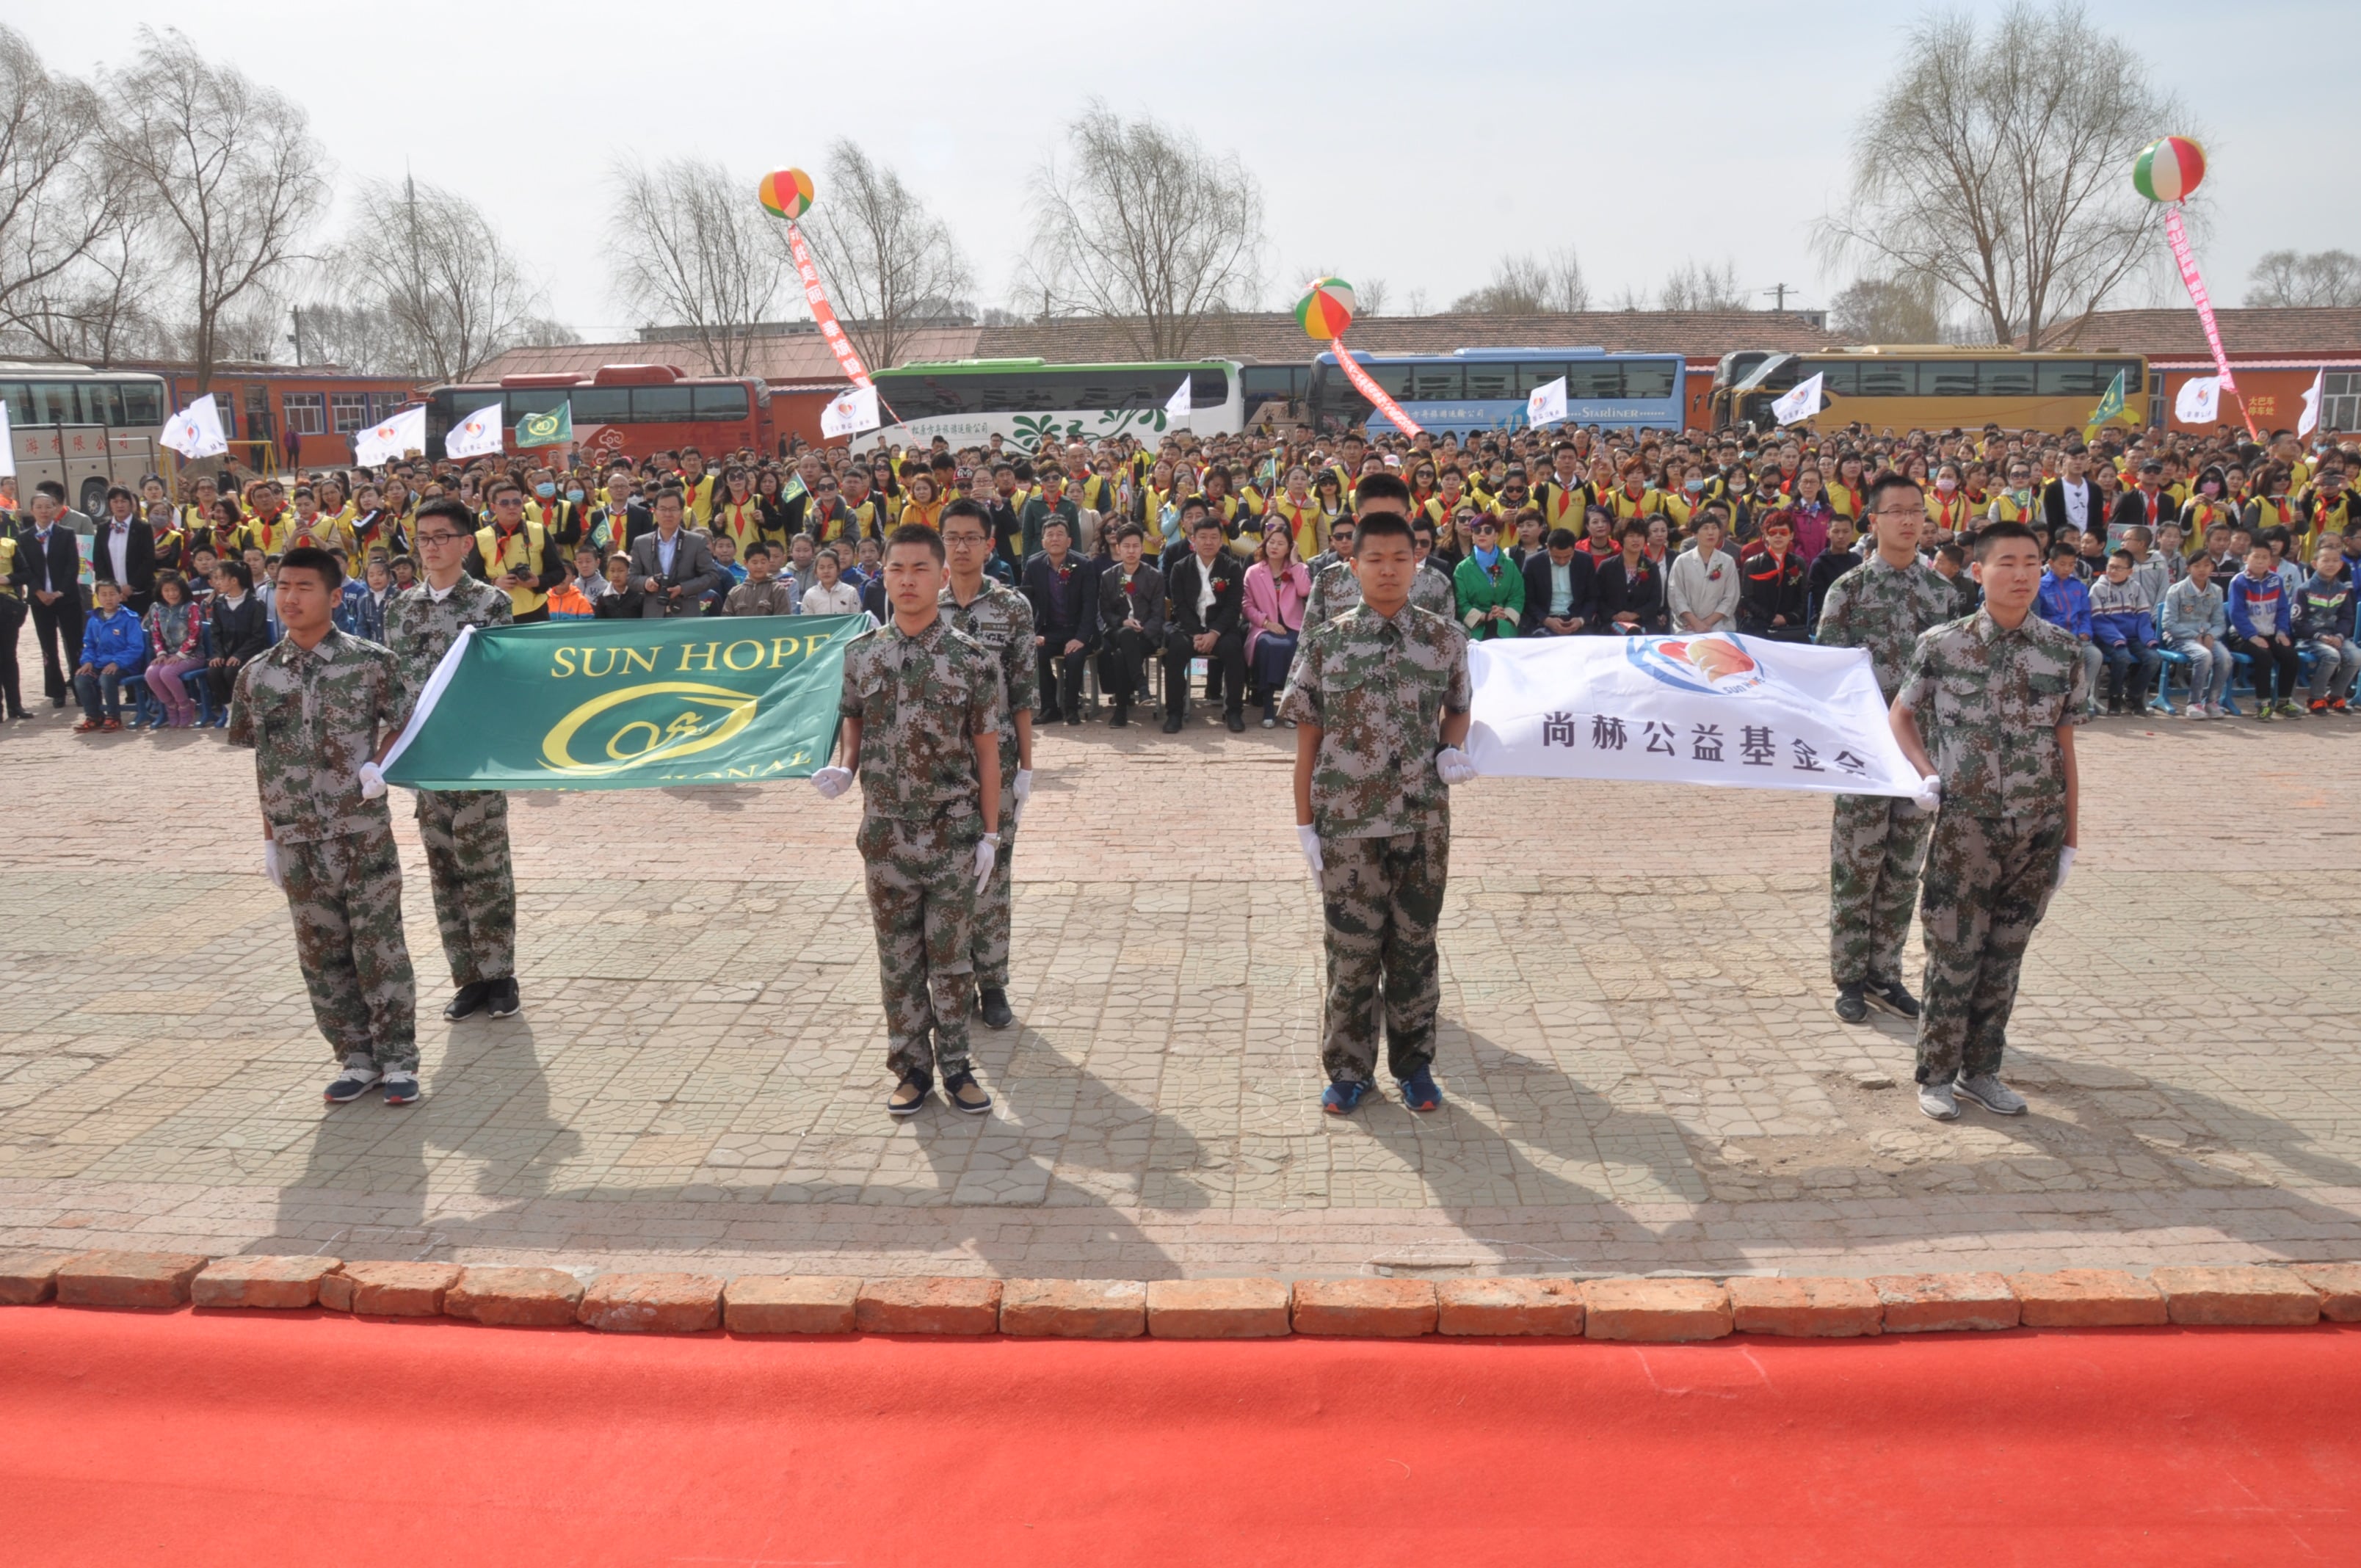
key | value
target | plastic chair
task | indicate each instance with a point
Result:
(2172, 659)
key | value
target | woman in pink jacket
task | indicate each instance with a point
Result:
(1276, 587)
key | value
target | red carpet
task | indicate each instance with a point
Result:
(247, 1439)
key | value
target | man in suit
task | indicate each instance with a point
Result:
(672, 566)
(48, 574)
(2145, 504)
(122, 550)
(2071, 500)
(1206, 590)
(1557, 589)
(1130, 618)
(1062, 586)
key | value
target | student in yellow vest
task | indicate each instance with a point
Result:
(517, 555)
(1947, 505)
(866, 515)
(2212, 503)
(334, 506)
(1296, 506)
(1846, 490)
(2287, 452)
(738, 517)
(1683, 495)
(923, 503)
(2329, 509)
(269, 527)
(197, 511)
(1632, 498)
(696, 488)
(2019, 500)
(316, 527)
(1563, 496)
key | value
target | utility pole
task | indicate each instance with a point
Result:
(1779, 292)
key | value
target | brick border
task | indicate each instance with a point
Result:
(1362, 1306)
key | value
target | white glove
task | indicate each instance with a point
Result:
(833, 782)
(1930, 793)
(1453, 766)
(1024, 786)
(986, 854)
(271, 864)
(2065, 865)
(372, 779)
(1308, 837)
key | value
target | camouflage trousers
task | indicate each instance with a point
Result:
(1987, 885)
(989, 946)
(921, 879)
(1875, 848)
(1381, 899)
(467, 837)
(346, 896)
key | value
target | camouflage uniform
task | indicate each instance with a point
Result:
(921, 700)
(1988, 703)
(466, 831)
(1334, 590)
(1379, 690)
(1000, 619)
(1878, 842)
(313, 719)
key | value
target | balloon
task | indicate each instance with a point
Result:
(787, 194)
(2169, 170)
(1328, 309)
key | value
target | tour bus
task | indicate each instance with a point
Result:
(1028, 401)
(87, 429)
(620, 411)
(1923, 387)
(1484, 388)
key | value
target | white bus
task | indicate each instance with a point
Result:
(1028, 401)
(87, 429)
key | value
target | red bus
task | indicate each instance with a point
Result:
(628, 411)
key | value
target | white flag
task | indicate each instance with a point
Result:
(854, 410)
(195, 430)
(1177, 407)
(478, 436)
(405, 432)
(8, 446)
(2199, 401)
(1802, 403)
(1547, 405)
(2311, 396)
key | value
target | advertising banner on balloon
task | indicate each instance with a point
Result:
(1365, 384)
(824, 313)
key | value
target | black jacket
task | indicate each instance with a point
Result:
(1826, 567)
(1180, 588)
(2053, 505)
(64, 575)
(243, 633)
(2130, 511)
(1082, 619)
(1770, 585)
(139, 558)
(1144, 604)
(1612, 593)
(1581, 576)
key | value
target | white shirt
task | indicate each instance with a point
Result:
(842, 599)
(118, 544)
(664, 548)
(1204, 592)
(2078, 503)
(439, 595)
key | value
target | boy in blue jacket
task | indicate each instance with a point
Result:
(2123, 627)
(2324, 615)
(2260, 619)
(114, 650)
(2065, 603)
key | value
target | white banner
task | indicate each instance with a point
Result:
(2199, 401)
(854, 410)
(1806, 401)
(1546, 406)
(7, 446)
(195, 430)
(1713, 709)
(478, 436)
(2311, 396)
(405, 432)
(1177, 407)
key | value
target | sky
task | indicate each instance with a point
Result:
(1409, 143)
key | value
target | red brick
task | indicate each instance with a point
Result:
(1937, 1303)
(927, 1304)
(128, 1278)
(380, 1290)
(1364, 1309)
(790, 1304)
(514, 1298)
(2339, 1285)
(2087, 1299)
(2238, 1295)
(1655, 1309)
(279, 1284)
(1217, 1309)
(1811, 1307)
(30, 1277)
(652, 1303)
(1074, 1309)
(1522, 1307)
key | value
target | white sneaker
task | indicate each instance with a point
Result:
(1987, 1090)
(1936, 1100)
(2195, 710)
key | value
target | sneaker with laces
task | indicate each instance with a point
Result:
(1887, 996)
(501, 997)
(1987, 1090)
(1344, 1097)
(909, 1096)
(2320, 705)
(1419, 1091)
(992, 1003)
(1938, 1101)
(2265, 713)
(965, 1093)
(1852, 1006)
(466, 1001)
(2290, 710)
(400, 1087)
(353, 1081)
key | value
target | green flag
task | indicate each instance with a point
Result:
(628, 704)
(2110, 407)
(555, 428)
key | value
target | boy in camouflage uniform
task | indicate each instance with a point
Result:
(466, 831)
(1997, 696)
(1878, 842)
(1379, 695)
(999, 619)
(921, 710)
(314, 709)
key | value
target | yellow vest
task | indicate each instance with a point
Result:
(743, 525)
(501, 557)
(7, 564)
(699, 498)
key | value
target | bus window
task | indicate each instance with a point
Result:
(1208, 388)
(1840, 380)
(19, 399)
(539, 400)
(712, 403)
(651, 404)
(1648, 379)
(143, 403)
(54, 403)
(2130, 369)
(602, 405)
(1436, 383)
(1889, 377)
(102, 403)
(1947, 379)
(2068, 378)
(2005, 379)
(1266, 383)
(1495, 379)
(1592, 380)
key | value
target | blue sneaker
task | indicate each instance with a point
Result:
(1418, 1091)
(1344, 1097)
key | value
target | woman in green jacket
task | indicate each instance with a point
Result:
(1489, 584)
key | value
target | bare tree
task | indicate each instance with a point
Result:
(889, 264)
(1529, 286)
(1701, 286)
(1144, 229)
(1372, 294)
(229, 171)
(698, 255)
(430, 264)
(2324, 277)
(362, 337)
(1996, 165)
(1888, 310)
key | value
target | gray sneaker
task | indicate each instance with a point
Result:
(1936, 1100)
(1987, 1090)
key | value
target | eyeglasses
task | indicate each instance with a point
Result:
(440, 538)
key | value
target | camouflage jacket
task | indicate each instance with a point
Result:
(420, 628)
(999, 620)
(919, 700)
(313, 719)
(1334, 590)
(1379, 689)
(1884, 609)
(1989, 703)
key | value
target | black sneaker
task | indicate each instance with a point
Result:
(1172, 724)
(1122, 716)
(502, 998)
(468, 1002)
(353, 1082)
(1887, 996)
(1236, 720)
(993, 1003)
(1852, 1006)
(909, 1096)
(965, 1093)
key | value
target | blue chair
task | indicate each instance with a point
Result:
(2173, 659)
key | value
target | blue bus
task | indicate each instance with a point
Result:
(1484, 388)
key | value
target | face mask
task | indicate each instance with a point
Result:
(544, 490)
(1694, 485)
(574, 494)
(1946, 486)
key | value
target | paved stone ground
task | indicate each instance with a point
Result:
(1642, 1068)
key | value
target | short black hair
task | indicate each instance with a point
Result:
(1562, 539)
(1380, 487)
(1128, 530)
(1892, 479)
(1385, 525)
(966, 508)
(450, 508)
(231, 566)
(1206, 517)
(918, 533)
(312, 558)
(1994, 532)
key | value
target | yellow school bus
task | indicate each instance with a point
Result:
(1930, 387)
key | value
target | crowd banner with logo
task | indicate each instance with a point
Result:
(394, 438)
(1808, 398)
(2199, 401)
(2304, 425)
(2110, 407)
(816, 296)
(478, 436)
(628, 704)
(1545, 405)
(849, 413)
(1177, 407)
(555, 428)
(195, 430)
(1709, 708)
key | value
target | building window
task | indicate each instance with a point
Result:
(348, 411)
(2340, 400)
(304, 413)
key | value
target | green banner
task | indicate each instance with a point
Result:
(555, 428)
(2110, 407)
(629, 704)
